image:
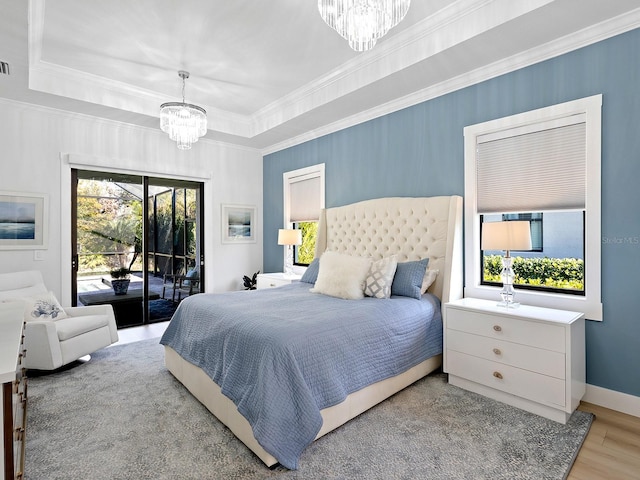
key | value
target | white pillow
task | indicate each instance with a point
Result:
(429, 278)
(380, 277)
(342, 275)
(44, 306)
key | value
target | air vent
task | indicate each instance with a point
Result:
(4, 68)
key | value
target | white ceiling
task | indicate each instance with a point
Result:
(272, 73)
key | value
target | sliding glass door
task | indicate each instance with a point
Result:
(174, 250)
(147, 231)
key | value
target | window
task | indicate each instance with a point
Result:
(303, 201)
(541, 166)
(553, 265)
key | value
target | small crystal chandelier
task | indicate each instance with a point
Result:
(184, 122)
(363, 22)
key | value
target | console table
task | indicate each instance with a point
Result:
(13, 410)
(126, 308)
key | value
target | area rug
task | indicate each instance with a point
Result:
(122, 415)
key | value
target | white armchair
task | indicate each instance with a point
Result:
(54, 342)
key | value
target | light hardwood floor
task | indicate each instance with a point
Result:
(611, 450)
(133, 334)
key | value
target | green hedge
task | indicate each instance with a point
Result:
(306, 251)
(567, 273)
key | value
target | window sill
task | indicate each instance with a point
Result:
(591, 309)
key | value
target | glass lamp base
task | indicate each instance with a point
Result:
(288, 264)
(507, 292)
(288, 270)
(508, 304)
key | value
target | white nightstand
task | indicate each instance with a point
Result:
(271, 280)
(529, 357)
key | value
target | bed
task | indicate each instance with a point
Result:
(241, 328)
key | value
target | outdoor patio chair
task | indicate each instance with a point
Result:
(181, 285)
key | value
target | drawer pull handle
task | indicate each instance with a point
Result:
(497, 351)
(272, 284)
(497, 375)
(497, 328)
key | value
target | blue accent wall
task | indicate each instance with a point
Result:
(418, 151)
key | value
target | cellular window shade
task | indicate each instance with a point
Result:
(533, 172)
(304, 197)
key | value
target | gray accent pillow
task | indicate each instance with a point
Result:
(408, 279)
(310, 275)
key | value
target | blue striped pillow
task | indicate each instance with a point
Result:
(408, 279)
(310, 275)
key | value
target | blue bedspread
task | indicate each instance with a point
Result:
(283, 354)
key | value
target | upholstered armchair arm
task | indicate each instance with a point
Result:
(89, 310)
(42, 345)
(96, 310)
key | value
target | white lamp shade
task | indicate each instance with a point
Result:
(506, 236)
(289, 236)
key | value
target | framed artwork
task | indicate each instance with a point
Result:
(24, 220)
(238, 224)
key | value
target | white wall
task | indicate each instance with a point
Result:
(40, 145)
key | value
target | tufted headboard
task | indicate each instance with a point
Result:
(411, 228)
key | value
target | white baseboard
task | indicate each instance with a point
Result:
(622, 402)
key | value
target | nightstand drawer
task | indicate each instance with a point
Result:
(273, 280)
(270, 282)
(540, 335)
(516, 381)
(514, 354)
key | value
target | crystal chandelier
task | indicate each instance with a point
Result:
(184, 123)
(363, 22)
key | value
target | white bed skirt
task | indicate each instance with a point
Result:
(209, 394)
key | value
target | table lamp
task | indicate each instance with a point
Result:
(507, 236)
(289, 237)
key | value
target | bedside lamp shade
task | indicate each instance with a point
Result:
(289, 236)
(506, 236)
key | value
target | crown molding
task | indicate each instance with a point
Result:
(574, 41)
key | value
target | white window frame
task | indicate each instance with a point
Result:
(590, 303)
(301, 174)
